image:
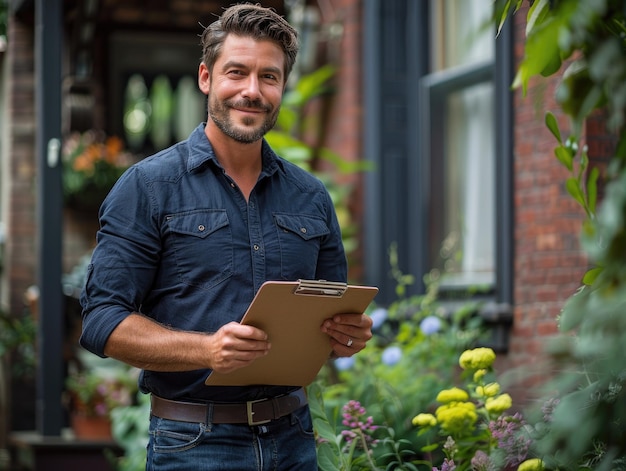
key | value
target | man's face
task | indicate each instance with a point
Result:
(245, 88)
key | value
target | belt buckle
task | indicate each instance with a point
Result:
(250, 413)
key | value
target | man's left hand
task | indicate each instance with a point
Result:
(348, 333)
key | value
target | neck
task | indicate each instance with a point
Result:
(242, 162)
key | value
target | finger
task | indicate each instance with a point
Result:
(356, 320)
(245, 332)
(341, 349)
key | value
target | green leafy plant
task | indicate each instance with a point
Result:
(588, 39)
(17, 338)
(131, 432)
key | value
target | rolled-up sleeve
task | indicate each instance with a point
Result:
(124, 262)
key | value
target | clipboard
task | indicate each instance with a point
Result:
(292, 312)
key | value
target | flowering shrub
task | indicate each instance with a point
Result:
(413, 355)
(97, 391)
(467, 428)
(92, 163)
(474, 430)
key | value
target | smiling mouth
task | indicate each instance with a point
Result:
(248, 106)
(250, 111)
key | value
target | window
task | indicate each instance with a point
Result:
(459, 124)
(438, 130)
(154, 96)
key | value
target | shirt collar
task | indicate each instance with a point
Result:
(201, 152)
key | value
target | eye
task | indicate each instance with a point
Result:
(235, 72)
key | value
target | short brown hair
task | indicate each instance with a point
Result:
(250, 20)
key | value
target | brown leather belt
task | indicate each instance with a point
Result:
(252, 412)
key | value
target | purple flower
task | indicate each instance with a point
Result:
(391, 355)
(344, 363)
(353, 414)
(378, 317)
(511, 436)
(481, 461)
(548, 409)
(430, 325)
(448, 465)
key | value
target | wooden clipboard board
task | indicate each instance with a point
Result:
(292, 312)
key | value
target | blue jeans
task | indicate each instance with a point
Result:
(284, 444)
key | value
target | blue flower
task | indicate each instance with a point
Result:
(430, 325)
(378, 317)
(391, 355)
(344, 363)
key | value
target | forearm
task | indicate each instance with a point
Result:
(146, 344)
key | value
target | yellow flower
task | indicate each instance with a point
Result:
(489, 390)
(479, 374)
(457, 417)
(534, 464)
(452, 395)
(478, 358)
(424, 420)
(497, 405)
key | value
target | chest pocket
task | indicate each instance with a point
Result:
(202, 244)
(300, 238)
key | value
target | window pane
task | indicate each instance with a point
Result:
(466, 248)
(462, 33)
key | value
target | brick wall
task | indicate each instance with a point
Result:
(548, 263)
(19, 168)
(344, 122)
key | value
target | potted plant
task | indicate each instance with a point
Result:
(92, 163)
(94, 391)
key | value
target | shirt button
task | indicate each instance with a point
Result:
(303, 230)
(256, 247)
(201, 227)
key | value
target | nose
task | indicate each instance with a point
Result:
(251, 90)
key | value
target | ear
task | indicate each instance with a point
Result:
(204, 78)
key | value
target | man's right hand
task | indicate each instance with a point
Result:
(146, 344)
(234, 346)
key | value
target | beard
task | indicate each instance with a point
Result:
(246, 133)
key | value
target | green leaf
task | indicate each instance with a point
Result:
(592, 189)
(591, 275)
(345, 166)
(327, 459)
(565, 157)
(309, 86)
(324, 429)
(286, 118)
(573, 188)
(541, 47)
(536, 14)
(429, 448)
(502, 11)
(574, 311)
(552, 66)
(553, 126)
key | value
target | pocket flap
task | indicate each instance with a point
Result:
(198, 223)
(307, 227)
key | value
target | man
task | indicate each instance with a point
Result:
(188, 236)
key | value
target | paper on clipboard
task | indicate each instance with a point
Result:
(292, 312)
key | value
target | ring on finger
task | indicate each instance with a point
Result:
(350, 342)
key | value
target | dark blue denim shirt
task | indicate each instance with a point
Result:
(179, 243)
